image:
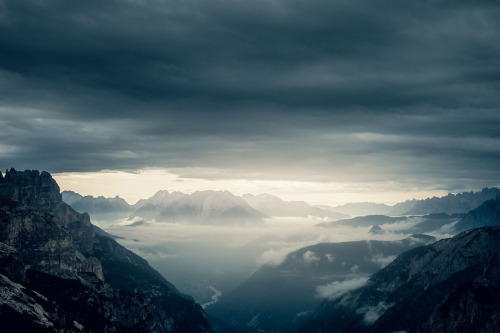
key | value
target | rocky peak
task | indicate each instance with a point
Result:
(40, 191)
(31, 188)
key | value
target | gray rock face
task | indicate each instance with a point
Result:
(40, 191)
(49, 251)
(32, 189)
(42, 243)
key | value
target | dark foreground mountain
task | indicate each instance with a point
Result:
(280, 299)
(57, 274)
(450, 286)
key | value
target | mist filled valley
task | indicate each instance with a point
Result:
(259, 166)
(255, 272)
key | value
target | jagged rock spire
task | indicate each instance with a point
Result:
(31, 188)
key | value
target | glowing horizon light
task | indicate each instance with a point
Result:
(142, 184)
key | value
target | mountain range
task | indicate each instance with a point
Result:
(487, 214)
(200, 207)
(222, 207)
(271, 205)
(57, 274)
(99, 208)
(449, 204)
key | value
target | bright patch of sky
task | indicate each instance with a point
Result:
(142, 184)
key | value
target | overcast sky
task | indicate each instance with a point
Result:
(394, 96)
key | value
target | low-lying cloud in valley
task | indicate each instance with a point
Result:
(224, 256)
(338, 288)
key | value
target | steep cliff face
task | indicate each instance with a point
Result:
(40, 191)
(32, 189)
(43, 244)
(57, 273)
(444, 287)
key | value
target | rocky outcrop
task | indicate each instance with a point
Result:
(58, 274)
(32, 189)
(40, 191)
(43, 244)
(443, 287)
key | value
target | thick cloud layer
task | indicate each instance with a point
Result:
(317, 90)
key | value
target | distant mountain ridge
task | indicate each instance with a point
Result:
(272, 205)
(359, 209)
(57, 274)
(364, 221)
(99, 208)
(212, 207)
(200, 207)
(487, 214)
(454, 203)
(449, 204)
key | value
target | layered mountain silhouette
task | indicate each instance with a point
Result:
(99, 208)
(57, 274)
(359, 209)
(453, 203)
(200, 207)
(281, 298)
(222, 207)
(364, 221)
(487, 214)
(450, 286)
(271, 205)
(449, 204)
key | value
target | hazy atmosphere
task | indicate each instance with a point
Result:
(324, 101)
(266, 157)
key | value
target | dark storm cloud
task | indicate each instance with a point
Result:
(319, 88)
